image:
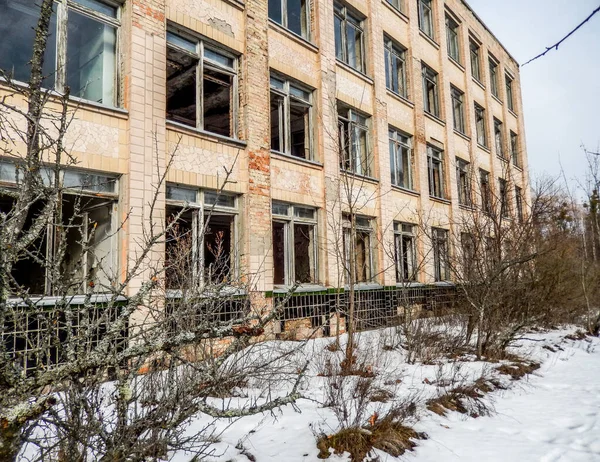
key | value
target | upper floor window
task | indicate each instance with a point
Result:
(486, 193)
(463, 180)
(292, 14)
(458, 109)
(452, 39)
(509, 93)
(494, 77)
(401, 162)
(398, 4)
(355, 156)
(514, 148)
(426, 17)
(291, 118)
(294, 244)
(503, 193)
(519, 203)
(358, 247)
(441, 262)
(435, 167)
(349, 37)
(405, 251)
(395, 67)
(89, 52)
(499, 139)
(430, 91)
(201, 85)
(475, 60)
(480, 125)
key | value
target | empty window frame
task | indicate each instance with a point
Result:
(514, 148)
(480, 125)
(499, 139)
(291, 118)
(359, 248)
(469, 250)
(401, 161)
(509, 92)
(395, 67)
(458, 109)
(519, 203)
(441, 263)
(486, 193)
(294, 244)
(201, 241)
(503, 193)
(405, 252)
(88, 46)
(475, 51)
(430, 91)
(349, 37)
(201, 85)
(292, 14)
(85, 241)
(355, 156)
(426, 17)
(435, 167)
(463, 180)
(493, 64)
(452, 39)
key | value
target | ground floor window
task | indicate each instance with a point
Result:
(404, 240)
(440, 254)
(358, 248)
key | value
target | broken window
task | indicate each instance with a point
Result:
(354, 141)
(430, 91)
(358, 247)
(452, 39)
(395, 67)
(475, 60)
(463, 179)
(78, 239)
(514, 148)
(486, 194)
(201, 85)
(349, 37)
(498, 139)
(480, 125)
(294, 244)
(291, 119)
(503, 192)
(440, 254)
(405, 252)
(292, 14)
(458, 109)
(426, 17)
(509, 92)
(435, 164)
(494, 77)
(201, 237)
(401, 162)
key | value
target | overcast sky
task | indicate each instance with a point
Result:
(561, 91)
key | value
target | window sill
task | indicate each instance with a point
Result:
(70, 300)
(435, 118)
(227, 291)
(462, 135)
(364, 286)
(480, 84)
(456, 63)
(409, 284)
(296, 160)
(506, 160)
(204, 134)
(236, 3)
(396, 11)
(429, 39)
(497, 99)
(518, 167)
(484, 148)
(401, 98)
(293, 36)
(467, 207)
(358, 176)
(513, 113)
(302, 288)
(440, 200)
(410, 192)
(355, 72)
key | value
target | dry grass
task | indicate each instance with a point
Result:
(466, 399)
(518, 370)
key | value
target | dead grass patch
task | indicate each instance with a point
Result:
(466, 399)
(518, 370)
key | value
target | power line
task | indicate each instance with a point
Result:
(556, 45)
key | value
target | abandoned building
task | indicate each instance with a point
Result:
(412, 105)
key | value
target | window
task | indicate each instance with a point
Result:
(395, 68)
(440, 254)
(354, 141)
(498, 139)
(514, 148)
(452, 39)
(398, 4)
(401, 162)
(502, 188)
(463, 179)
(291, 118)
(201, 85)
(292, 14)
(426, 17)
(494, 77)
(486, 193)
(469, 255)
(87, 229)
(89, 51)
(405, 252)
(349, 37)
(435, 166)
(475, 61)
(294, 244)
(458, 109)
(359, 248)
(201, 243)
(480, 125)
(509, 92)
(519, 203)
(430, 91)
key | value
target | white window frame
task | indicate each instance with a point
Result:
(475, 54)
(426, 18)
(306, 35)
(430, 77)
(364, 225)
(404, 230)
(401, 144)
(453, 38)
(463, 181)
(435, 157)
(351, 156)
(347, 18)
(458, 109)
(481, 125)
(392, 49)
